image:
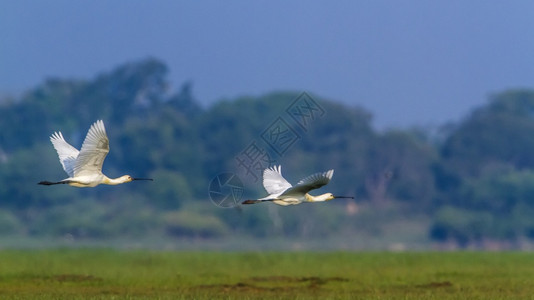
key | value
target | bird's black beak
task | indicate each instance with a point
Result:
(143, 179)
(347, 197)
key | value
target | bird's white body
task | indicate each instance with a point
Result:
(84, 167)
(285, 200)
(86, 180)
(281, 192)
(92, 180)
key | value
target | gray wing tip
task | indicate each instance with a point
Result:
(330, 173)
(318, 177)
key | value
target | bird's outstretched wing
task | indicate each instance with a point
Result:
(95, 147)
(273, 182)
(311, 182)
(67, 154)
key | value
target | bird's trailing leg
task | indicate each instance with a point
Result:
(251, 201)
(52, 183)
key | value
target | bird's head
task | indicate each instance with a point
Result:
(322, 197)
(128, 178)
(125, 178)
(330, 196)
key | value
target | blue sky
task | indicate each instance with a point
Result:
(408, 62)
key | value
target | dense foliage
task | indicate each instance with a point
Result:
(473, 182)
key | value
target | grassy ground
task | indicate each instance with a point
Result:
(115, 274)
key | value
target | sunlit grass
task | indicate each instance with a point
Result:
(113, 274)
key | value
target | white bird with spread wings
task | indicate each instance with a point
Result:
(84, 167)
(283, 193)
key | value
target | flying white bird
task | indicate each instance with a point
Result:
(84, 167)
(282, 193)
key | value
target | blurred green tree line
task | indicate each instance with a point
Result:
(472, 178)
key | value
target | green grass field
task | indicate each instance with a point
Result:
(116, 274)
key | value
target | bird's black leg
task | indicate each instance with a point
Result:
(251, 201)
(256, 201)
(52, 183)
